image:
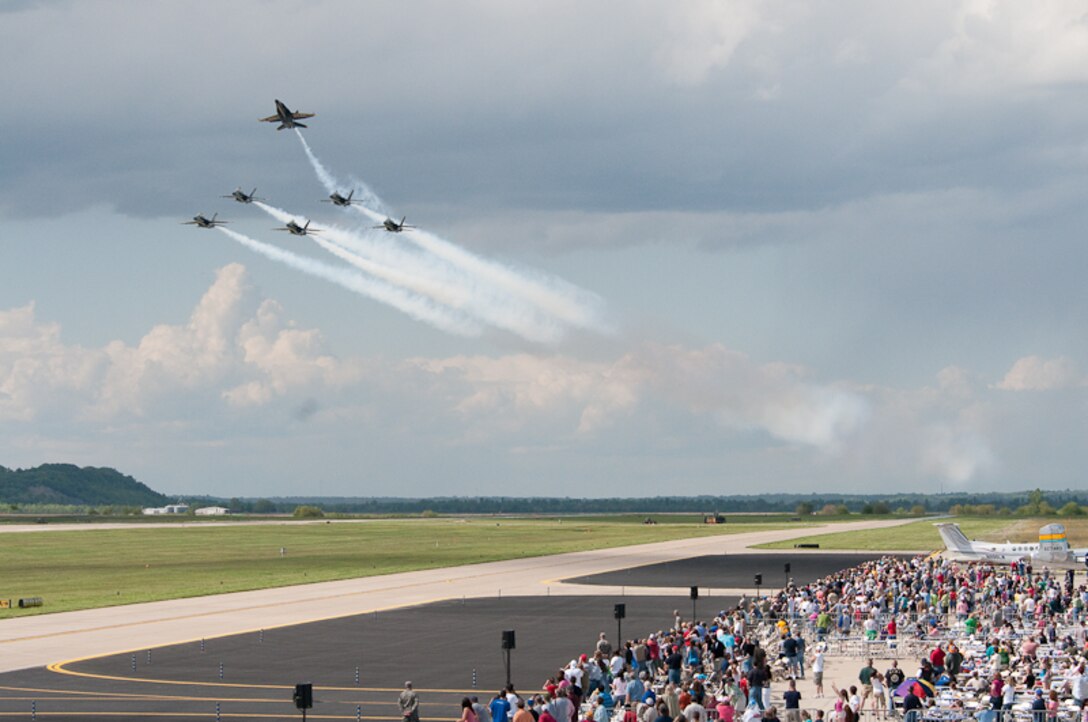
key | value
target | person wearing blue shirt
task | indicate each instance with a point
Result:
(500, 708)
(635, 688)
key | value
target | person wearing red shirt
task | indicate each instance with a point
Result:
(936, 658)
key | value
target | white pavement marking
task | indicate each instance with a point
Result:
(49, 638)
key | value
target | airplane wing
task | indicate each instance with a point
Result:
(270, 119)
(299, 116)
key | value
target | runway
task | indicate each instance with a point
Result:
(434, 627)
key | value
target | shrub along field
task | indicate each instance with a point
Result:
(923, 535)
(96, 568)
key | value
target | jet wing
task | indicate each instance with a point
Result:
(299, 116)
(270, 119)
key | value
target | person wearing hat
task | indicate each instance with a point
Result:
(409, 703)
(1038, 707)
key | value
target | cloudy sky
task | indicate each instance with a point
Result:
(663, 247)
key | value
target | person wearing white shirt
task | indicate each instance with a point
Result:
(1079, 685)
(1008, 695)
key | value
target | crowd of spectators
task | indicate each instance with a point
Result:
(974, 640)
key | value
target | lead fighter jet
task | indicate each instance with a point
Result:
(203, 222)
(296, 230)
(286, 118)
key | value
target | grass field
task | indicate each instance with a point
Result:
(96, 568)
(923, 536)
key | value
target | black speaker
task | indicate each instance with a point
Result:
(759, 579)
(508, 639)
(695, 592)
(620, 611)
(787, 567)
(304, 695)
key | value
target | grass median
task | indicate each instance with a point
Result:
(923, 536)
(96, 568)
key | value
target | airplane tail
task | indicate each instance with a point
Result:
(953, 537)
(1052, 538)
(300, 125)
(282, 126)
(1054, 546)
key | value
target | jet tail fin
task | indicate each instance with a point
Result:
(954, 538)
(1052, 538)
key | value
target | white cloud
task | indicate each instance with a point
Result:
(996, 45)
(207, 386)
(225, 350)
(1034, 373)
(701, 37)
(511, 392)
(956, 454)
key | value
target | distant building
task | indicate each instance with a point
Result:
(212, 511)
(168, 509)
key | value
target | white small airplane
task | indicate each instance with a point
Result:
(1053, 549)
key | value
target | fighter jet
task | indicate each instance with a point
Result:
(340, 200)
(204, 222)
(296, 230)
(286, 118)
(242, 197)
(392, 226)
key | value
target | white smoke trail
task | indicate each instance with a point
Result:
(418, 283)
(455, 289)
(367, 197)
(414, 306)
(562, 300)
(433, 279)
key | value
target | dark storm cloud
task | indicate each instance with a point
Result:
(437, 106)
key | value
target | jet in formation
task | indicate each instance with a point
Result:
(204, 222)
(296, 230)
(242, 197)
(393, 227)
(339, 200)
(286, 118)
(1053, 549)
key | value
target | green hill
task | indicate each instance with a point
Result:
(68, 484)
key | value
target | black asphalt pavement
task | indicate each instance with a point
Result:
(732, 571)
(446, 649)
